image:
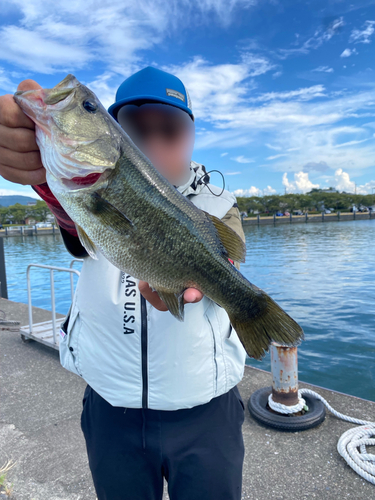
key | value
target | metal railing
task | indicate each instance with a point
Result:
(52, 284)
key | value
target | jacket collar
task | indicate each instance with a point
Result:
(197, 180)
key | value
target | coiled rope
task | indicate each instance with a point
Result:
(352, 444)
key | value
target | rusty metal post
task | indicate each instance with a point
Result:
(284, 368)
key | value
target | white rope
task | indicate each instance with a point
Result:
(352, 444)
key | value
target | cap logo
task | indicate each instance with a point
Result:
(175, 93)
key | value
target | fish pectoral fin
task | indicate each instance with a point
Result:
(86, 242)
(174, 302)
(234, 246)
(109, 214)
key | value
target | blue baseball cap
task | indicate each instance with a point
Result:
(152, 85)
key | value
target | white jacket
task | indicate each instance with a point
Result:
(138, 357)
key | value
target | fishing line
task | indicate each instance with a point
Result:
(206, 181)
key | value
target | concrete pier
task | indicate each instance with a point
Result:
(307, 218)
(40, 409)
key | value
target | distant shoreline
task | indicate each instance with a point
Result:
(295, 219)
(29, 231)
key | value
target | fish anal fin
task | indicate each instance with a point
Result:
(86, 242)
(109, 214)
(174, 302)
(233, 244)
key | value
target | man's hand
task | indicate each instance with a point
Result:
(20, 160)
(191, 295)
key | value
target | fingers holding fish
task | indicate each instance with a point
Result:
(19, 166)
(191, 296)
(12, 116)
(20, 160)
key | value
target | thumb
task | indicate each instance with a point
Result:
(28, 85)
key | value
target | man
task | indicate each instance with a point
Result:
(161, 397)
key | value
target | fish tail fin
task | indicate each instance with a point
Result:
(270, 324)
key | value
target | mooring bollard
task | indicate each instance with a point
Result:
(294, 414)
(284, 369)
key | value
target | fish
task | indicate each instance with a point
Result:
(126, 209)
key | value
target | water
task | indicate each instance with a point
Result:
(49, 250)
(323, 275)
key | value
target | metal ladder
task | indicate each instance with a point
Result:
(46, 332)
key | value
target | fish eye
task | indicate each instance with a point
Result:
(90, 106)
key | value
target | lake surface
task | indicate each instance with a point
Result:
(323, 275)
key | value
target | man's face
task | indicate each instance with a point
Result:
(165, 134)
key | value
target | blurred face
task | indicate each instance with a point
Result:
(164, 133)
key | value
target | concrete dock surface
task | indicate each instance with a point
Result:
(40, 409)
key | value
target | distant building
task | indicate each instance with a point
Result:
(31, 203)
(323, 190)
(29, 220)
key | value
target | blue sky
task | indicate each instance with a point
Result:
(283, 91)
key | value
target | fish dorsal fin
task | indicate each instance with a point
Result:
(174, 302)
(234, 246)
(86, 242)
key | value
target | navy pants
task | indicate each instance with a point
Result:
(198, 450)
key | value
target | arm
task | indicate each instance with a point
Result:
(233, 219)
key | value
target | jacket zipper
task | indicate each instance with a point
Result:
(144, 352)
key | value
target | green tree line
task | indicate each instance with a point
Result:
(315, 200)
(39, 212)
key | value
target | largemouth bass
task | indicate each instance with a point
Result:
(123, 207)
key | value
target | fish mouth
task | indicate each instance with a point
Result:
(34, 102)
(86, 182)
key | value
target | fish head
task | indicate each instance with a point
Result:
(80, 143)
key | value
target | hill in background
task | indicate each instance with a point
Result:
(6, 201)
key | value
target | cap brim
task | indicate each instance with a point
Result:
(113, 109)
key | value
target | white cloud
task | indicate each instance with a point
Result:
(223, 154)
(363, 35)
(303, 94)
(219, 86)
(254, 191)
(242, 159)
(348, 53)
(276, 156)
(324, 69)
(305, 122)
(5, 81)
(232, 173)
(109, 33)
(256, 65)
(301, 183)
(32, 50)
(320, 36)
(342, 181)
(276, 148)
